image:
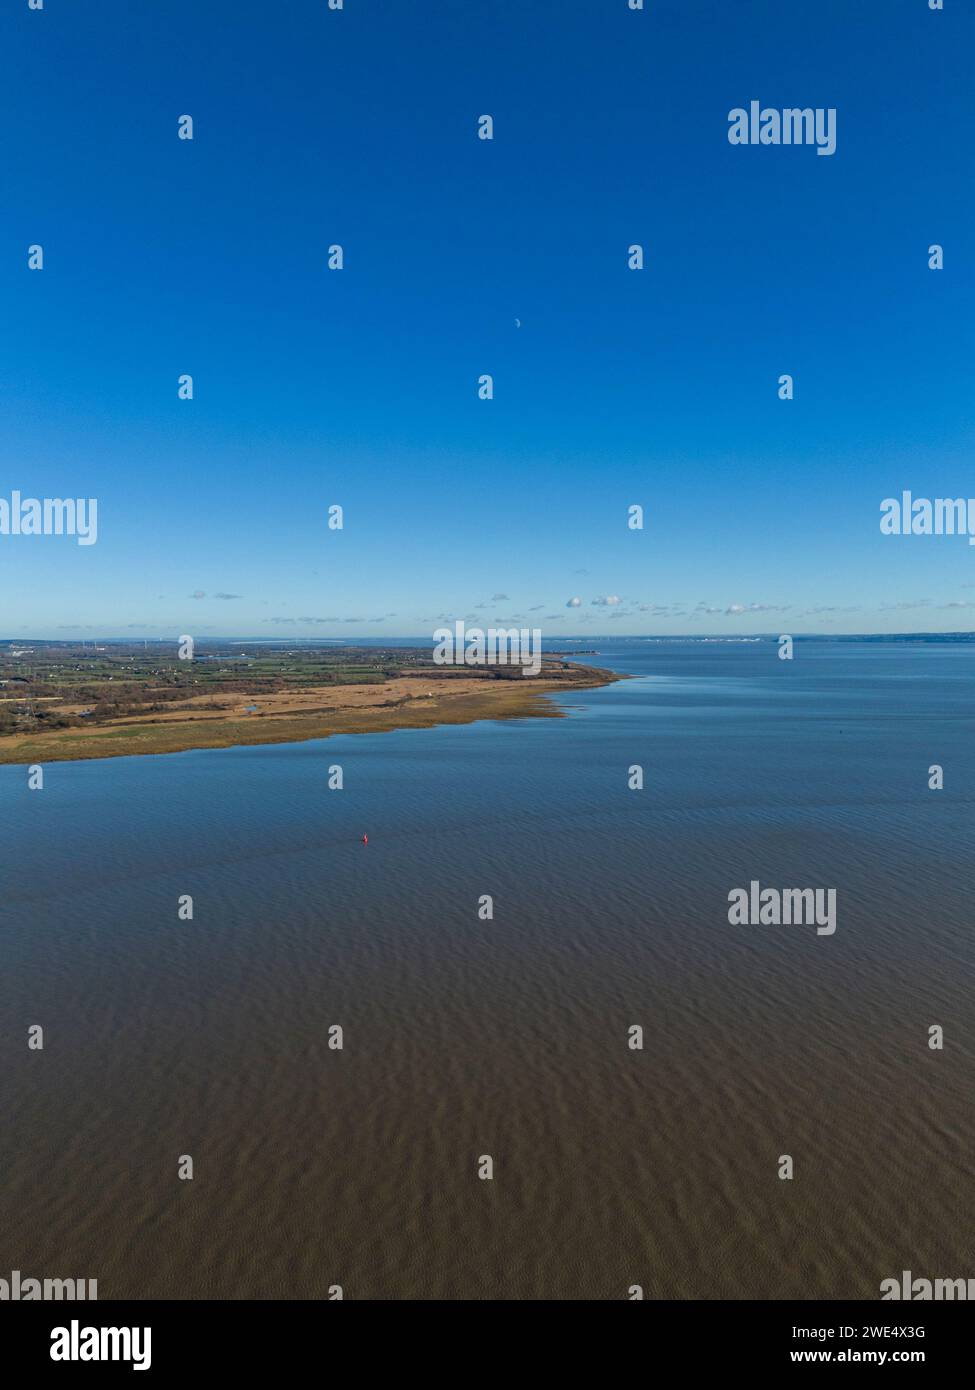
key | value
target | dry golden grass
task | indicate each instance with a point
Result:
(409, 702)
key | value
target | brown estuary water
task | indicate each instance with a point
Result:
(464, 1037)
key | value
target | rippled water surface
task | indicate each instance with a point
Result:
(464, 1037)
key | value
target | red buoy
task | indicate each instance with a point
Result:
(365, 839)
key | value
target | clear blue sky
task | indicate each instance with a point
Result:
(358, 387)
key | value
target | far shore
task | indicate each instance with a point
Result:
(408, 701)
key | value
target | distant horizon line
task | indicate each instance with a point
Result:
(561, 638)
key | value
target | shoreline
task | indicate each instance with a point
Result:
(490, 699)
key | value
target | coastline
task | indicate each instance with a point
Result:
(479, 699)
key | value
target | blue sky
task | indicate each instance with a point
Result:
(463, 257)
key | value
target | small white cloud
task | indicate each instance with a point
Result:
(574, 603)
(734, 609)
(607, 601)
